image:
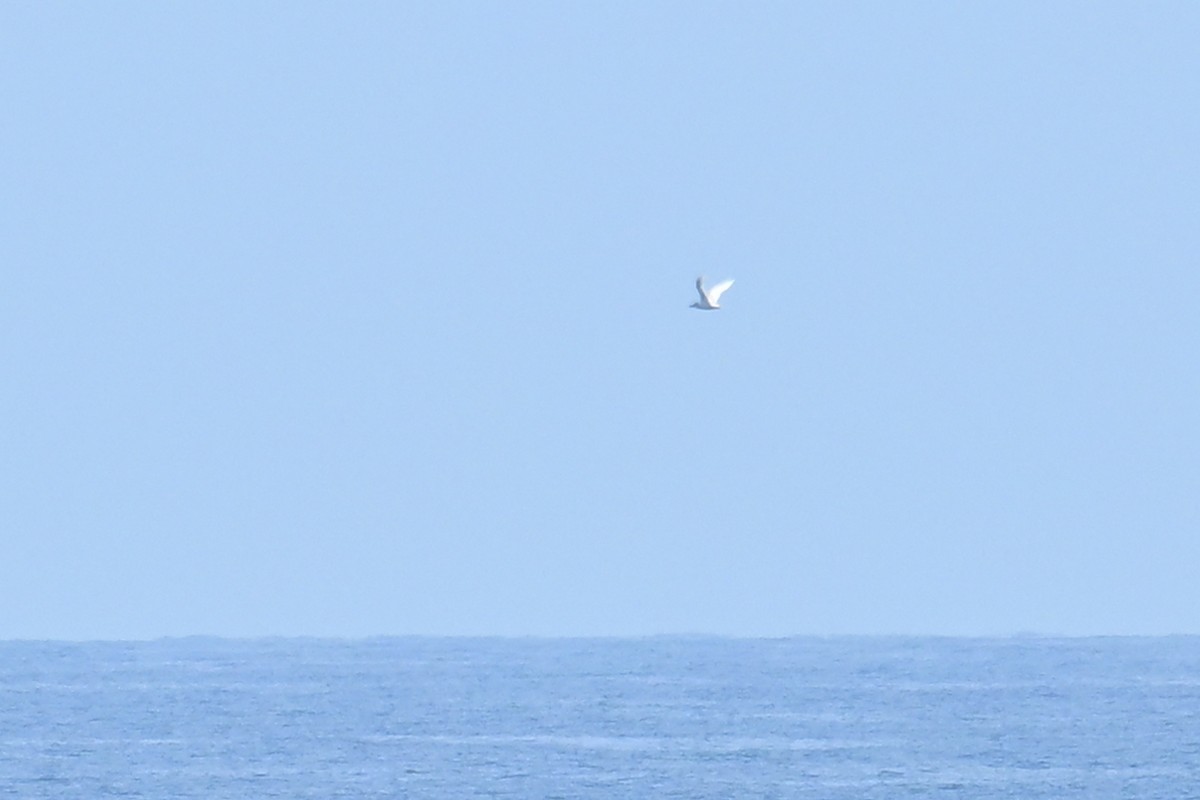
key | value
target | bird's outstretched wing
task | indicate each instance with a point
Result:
(700, 289)
(715, 292)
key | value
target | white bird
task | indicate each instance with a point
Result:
(710, 300)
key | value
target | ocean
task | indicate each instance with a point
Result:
(660, 717)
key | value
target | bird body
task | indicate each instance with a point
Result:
(710, 300)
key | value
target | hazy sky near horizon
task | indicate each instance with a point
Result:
(372, 318)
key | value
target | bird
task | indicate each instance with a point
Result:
(710, 300)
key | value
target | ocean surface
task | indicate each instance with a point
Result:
(602, 718)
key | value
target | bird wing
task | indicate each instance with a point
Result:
(700, 289)
(715, 292)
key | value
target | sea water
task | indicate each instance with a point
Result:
(1022, 717)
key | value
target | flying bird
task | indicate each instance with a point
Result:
(710, 300)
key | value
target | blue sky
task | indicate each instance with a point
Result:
(372, 318)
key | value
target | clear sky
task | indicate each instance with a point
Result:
(372, 318)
